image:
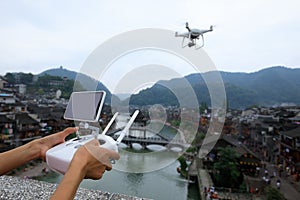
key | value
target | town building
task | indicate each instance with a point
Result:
(290, 152)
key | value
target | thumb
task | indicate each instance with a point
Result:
(63, 134)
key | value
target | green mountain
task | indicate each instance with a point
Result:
(87, 82)
(267, 87)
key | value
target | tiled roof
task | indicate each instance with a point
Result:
(24, 118)
(292, 133)
(4, 119)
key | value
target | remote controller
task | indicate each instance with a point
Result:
(59, 157)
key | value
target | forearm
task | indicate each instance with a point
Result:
(69, 184)
(17, 157)
(89, 161)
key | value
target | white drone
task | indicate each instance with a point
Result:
(193, 35)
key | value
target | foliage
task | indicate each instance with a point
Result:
(45, 84)
(270, 86)
(273, 194)
(243, 186)
(157, 95)
(53, 83)
(183, 166)
(19, 78)
(226, 167)
(175, 123)
(10, 78)
(203, 107)
(198, 138)
(274, 85)
(41, 91)
(191, 149)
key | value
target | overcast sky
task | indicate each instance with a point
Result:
(249, 35)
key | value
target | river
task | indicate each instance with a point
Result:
(162, 184)
(142, 173)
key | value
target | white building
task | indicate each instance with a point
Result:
(7, 98)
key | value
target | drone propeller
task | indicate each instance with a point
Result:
(181, 23)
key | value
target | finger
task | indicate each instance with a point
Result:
(103, 155)
(68, 131)
(108, 166)
(110, 153)
(61, 136)
(110, 157)
(113, 155)
(96, 174)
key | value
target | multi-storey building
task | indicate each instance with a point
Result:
(290, 151)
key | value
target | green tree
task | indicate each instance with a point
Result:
(10, 78)
(183, 166)
(41, 91)
(273, 194)
(26, 78)
(226, 167)
(203, 107)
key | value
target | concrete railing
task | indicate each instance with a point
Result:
(12, 188)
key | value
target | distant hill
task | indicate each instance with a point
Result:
(267, 87)
(61, 72)
(87, 82)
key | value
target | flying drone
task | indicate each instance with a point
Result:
(193, 35)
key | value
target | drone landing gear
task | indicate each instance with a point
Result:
(198, 47)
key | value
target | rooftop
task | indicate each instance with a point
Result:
(292, 133)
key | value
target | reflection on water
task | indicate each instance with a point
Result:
(154, 147)
(148, 161)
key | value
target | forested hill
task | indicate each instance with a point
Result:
(268, 87)
(86, 82)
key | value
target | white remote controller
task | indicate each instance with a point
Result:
(59, 157)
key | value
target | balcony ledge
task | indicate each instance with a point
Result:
(12, 188)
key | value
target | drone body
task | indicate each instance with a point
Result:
(193, 35)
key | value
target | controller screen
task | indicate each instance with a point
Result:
(85, 106)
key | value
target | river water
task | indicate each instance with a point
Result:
(142, 173)
(162, 184)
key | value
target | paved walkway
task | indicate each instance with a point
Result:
(289, 188)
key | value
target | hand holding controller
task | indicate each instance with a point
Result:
(59, 157)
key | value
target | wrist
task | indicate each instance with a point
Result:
(79, 164)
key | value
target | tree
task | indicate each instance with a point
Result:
(26, 78)
(273, 194)
(41, 91)
(226, 167)
(183, 166)
(10, 78)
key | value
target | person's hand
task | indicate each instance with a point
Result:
(89, 161)
(44, 144)
(93, 160)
